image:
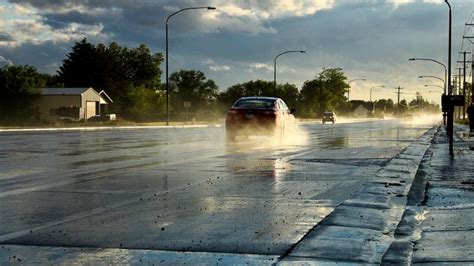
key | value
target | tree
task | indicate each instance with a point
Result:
(18, 88)
(145, 103)
(421, 105)
(249, 88)
(385, 105)
(80, 68)
(113, 68)
(192, 86)
(289, 93)
(325, 92)
(402, 107)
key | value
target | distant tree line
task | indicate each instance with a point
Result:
(18, 89)
(132, 78)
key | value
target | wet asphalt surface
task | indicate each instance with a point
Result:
(186, 189)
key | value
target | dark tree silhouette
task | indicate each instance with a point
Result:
(194, 87)
(117, 70)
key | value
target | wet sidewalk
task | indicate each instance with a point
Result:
(437, 226)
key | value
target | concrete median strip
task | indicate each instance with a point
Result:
(362, 228)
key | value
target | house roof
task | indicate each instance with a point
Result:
(104, 96)
(63, 91)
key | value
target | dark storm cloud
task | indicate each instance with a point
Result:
(43, 3)
(64, 4)
(62, 20)
(131, 22)
(5, 37)
(142, 13)
(359, 35)
(46, 57)
(362, 33)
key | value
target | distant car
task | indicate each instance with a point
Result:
(102, 118)
(408, 117)
(258, 116)
(329, 116)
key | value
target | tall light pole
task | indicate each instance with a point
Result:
(378, 86)
(348, 89)
(450, 90)
(167, 81)
(437, 62)
(275, 67)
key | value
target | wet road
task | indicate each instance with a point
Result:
(186, 189)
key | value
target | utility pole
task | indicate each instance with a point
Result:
(459, 91)
(472, 61)
(464, 85)
(398, 100)
(464, 61)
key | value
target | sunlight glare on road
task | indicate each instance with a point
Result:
(427, 119)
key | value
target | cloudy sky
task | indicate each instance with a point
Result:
(237, 42)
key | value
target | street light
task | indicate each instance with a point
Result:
(433, 85)
(167, 81)
(378, 86)
(434, 77)
(450, 111)
(348, 89)
(437, 62)
(275, 68)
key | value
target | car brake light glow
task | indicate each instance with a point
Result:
(272, 112)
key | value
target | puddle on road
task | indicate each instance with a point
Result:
(116, 159)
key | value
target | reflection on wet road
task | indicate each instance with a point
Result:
(185, 189)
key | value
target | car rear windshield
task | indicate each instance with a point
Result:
(254, 103)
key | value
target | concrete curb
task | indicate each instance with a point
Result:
(46, 255)
(362, 228)
(438, 229)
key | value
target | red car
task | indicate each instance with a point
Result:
(258, 116)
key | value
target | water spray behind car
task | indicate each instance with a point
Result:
(263, 118)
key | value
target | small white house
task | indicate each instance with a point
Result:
(71, 103)
(360, 111)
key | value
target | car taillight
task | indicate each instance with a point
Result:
(270, 112)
